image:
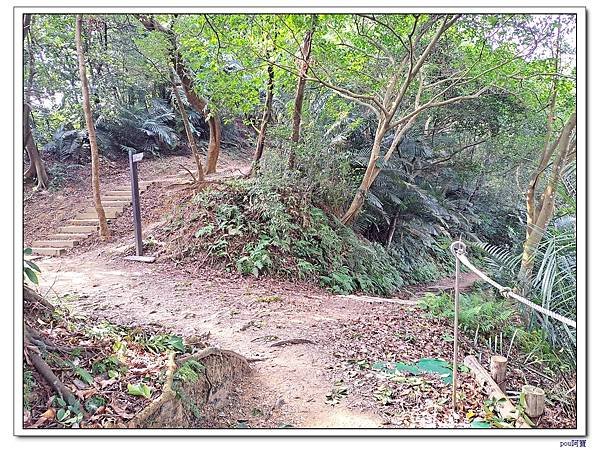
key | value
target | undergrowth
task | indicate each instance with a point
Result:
(254, 229)
(477, 312)
(485, 317)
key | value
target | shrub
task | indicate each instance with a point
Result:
(478, 311)
(255, 229)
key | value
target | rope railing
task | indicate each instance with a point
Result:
(459, 250)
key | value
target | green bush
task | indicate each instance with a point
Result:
(478, 311)
(255, 229)
(536, 344)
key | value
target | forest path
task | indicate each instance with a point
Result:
(247, 315)
(290, 384)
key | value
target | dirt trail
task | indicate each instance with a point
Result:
(288, 387)
(247, 315)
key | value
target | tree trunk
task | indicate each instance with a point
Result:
(87, 111)
(539, 215)
(36, 167)
(359, 198)
(299, 98)
(260, 144)
(392, 230)
(214, 143)
(188, 132)
(198, 103)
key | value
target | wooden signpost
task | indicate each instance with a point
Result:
(135, 158)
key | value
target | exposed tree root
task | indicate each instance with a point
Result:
(32, 297)
(213, 351)
(167, 394)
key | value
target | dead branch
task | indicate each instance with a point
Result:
(291, 341)
(33, 354)
(190, 172)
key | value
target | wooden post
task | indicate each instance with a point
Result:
(134, 158)
(534, 400)
(503, 405)
(498, 370)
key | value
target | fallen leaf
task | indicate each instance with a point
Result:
(49, 414)
(120, 410)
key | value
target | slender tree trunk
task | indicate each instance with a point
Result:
(87, 111)
(198, 103)
(373, 168)
(359, 198)
(36, 167)
(392, 230)
(214, 143)
(305, 50)
(544, 210)
(188, 132)
(260, 144)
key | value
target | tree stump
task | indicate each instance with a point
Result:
(534, 400)
(498, 371)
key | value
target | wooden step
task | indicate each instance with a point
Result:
(123, 193)
(78, 229)
(48, 251)
(69, 236)
(113, 209)
(92, 215)
(115, 203)
(93, 221)
(56, 243)
(115, 199)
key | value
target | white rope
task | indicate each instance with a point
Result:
(459, 251)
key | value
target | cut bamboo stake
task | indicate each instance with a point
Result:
(534, 400)
(503, 405)
(511, 343)
(498, 370)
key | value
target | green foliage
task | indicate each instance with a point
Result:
(553, 284)
(139, 390)
(29, 385)
(30, 269)
(67, 415)
(536, 344)
(478, 311)
(257, 230)
(161, 343)
(190, 371)
(93, 403)
(110, 365)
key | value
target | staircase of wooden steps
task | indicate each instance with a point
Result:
(85, 223)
